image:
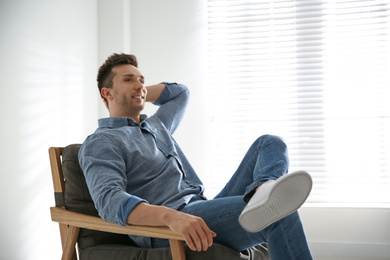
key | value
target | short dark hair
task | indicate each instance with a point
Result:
(105, 74)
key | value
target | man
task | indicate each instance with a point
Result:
(137, 174)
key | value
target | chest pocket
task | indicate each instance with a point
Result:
(167, 146)
(165, 143)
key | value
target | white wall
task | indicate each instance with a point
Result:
(48, 64)
(345, 232)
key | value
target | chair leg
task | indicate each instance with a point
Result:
(177, 249)
(68, 250)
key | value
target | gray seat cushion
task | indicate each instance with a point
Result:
(216, 252)
(102, 245)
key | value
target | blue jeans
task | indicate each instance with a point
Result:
(266, 159)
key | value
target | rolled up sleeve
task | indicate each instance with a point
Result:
(105, 174)
(173, 103)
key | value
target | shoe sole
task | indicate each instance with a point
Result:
(288, 194)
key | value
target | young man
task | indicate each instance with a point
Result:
(137, 174)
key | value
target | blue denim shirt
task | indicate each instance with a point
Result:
(125, 163)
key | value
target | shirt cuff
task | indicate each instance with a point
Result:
(127, 207)
(165, 94)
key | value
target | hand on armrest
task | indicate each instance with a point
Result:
(193, 229)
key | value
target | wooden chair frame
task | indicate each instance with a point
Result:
(71, 222)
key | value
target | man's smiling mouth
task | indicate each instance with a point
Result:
(138, 96)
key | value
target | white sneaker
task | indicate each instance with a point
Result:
(276, 199)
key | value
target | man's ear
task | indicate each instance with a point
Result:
(106, 93)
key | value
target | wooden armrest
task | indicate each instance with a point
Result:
(64, 216)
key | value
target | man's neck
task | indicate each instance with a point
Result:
(136, 118)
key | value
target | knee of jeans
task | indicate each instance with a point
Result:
(272, 139)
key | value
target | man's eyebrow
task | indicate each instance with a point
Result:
(132, 75)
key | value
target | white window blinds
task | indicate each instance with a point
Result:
(316, 73)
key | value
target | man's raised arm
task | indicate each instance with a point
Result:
(154, 92)
(172, 103)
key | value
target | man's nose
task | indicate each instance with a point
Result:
(139, 85)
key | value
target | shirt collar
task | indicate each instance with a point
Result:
(114, 122)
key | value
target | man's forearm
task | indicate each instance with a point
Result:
(154, 92)
(193, 229)
(150, 215)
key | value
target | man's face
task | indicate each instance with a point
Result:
(128, 90)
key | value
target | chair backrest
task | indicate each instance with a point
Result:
(75, 197)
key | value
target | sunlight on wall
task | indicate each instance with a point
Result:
(48, 71)
(51, 114)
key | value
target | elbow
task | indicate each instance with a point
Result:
(184, 93)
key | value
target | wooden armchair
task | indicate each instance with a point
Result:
(97, 239)
(71, 222)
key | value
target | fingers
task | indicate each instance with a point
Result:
(190, 243)
(200, 237)
(194, 230)
(207, 237)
